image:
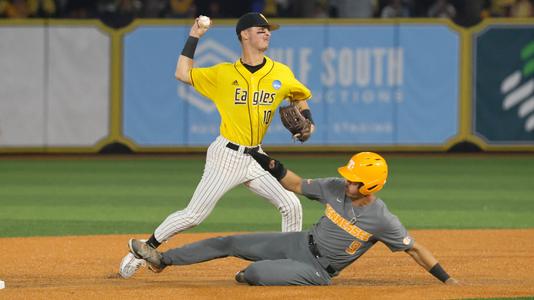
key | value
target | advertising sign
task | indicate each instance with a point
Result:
(504, 84)
(371, 84)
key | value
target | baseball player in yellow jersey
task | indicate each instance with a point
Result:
(246, 93)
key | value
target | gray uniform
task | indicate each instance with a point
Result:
(313, 257)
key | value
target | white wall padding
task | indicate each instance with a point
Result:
(79, 86)
(22, 86)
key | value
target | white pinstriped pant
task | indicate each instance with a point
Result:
(225, 169)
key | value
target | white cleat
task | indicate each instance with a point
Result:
(130, 265)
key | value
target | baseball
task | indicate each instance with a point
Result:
(204, 21)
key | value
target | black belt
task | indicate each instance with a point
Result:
(236, 148)
(315, 251)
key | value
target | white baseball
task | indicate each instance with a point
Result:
(204, 21)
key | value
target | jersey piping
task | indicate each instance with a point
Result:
(248, 103)
(257, 88)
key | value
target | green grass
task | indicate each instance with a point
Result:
(133, 195)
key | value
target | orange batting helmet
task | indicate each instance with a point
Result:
(368, 168)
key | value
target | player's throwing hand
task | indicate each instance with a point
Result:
(199, 28)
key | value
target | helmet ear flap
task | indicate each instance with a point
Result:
(363, 190)
(371, 187)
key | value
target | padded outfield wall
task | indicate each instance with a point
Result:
(386, 85)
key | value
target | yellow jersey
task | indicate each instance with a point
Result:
(247, 101)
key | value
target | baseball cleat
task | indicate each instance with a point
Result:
(240, 277)
(143, 251)
(129, 265)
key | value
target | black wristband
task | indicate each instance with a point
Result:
(439, 273)
(307, 114)
(190, 47)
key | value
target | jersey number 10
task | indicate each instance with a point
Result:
(267, 116)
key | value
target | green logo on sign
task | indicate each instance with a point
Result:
(518, 89)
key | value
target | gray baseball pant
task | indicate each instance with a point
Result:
(282, 258)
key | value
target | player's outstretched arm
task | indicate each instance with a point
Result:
(289, 180)
(425, 259)
(185, 61)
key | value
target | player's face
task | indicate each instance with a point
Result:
(351, 189)
(260, 37)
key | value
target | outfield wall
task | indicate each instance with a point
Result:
(386, 85)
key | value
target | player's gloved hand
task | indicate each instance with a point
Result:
(305, 134)
(293, 120)
(269, 164)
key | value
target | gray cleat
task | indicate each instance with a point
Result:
(143, 251)
(240, 277)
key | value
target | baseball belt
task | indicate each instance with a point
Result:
(315, 251)
(235, 147)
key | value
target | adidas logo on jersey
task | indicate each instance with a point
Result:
(235, 82)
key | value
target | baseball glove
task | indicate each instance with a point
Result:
(295, 122)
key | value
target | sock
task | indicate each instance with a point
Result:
(152, 242)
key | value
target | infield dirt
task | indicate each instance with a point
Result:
(489, 263)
